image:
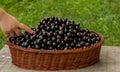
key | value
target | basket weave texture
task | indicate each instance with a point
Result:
(55, 59)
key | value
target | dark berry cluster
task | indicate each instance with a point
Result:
(56, 34)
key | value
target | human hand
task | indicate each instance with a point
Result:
(11, 27)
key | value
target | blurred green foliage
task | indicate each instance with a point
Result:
(102, 16)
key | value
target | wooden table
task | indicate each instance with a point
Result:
(109, 62)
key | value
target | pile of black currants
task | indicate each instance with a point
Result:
(56, 34)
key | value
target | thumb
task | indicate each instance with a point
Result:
(26, 28)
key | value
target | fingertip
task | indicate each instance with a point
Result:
(29, 30)
(26, 28)
(32, 31)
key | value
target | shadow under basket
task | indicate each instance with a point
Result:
(55, 59)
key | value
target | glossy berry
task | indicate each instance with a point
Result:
(43, 45)
(48, 28)
(58, 46)
(87, 44)
(68, 34)
(48, 43)
(37, 46)
(58, 36)
(49, 34)
(50, 48)
(78, 45)
(72, 45)
(58, 41)
(53, 39)
(38, 41)
(24, 44)
(67, 45)
(60, 32)
(54, 44)
(40, 37)
(66, 38)
(44, 40)
(65, 20)
(55, 34)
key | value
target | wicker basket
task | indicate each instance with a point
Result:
(55, 59)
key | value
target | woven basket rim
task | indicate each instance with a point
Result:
(76, 50)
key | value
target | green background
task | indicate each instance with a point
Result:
(102, 16)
